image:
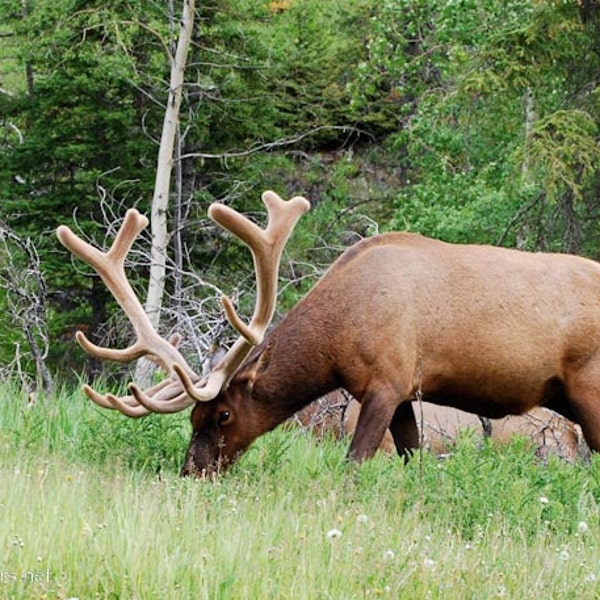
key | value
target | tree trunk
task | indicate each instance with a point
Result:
(524, 232)
(28, 67)
(160, 200)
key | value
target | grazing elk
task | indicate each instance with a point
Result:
(488, 330)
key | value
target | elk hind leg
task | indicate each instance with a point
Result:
(583, 392)
(405, 430)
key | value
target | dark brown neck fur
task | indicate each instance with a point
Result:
(296, 365)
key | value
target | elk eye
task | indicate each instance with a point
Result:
(224, 417)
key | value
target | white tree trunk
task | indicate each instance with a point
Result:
(160, 199)
(530, 117)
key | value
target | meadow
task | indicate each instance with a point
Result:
(92, 507)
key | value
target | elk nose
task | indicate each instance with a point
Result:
(188, 468)
(185, 471)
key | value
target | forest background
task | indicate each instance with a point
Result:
(467, 120)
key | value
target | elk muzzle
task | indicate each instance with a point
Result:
(203, 458)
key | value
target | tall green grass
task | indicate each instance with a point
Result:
(91, 506)
(70, 425)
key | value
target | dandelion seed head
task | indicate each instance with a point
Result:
(362, 519)
(564, 555)
(18, 541)
(582, 527)
(388, 555)
(429, 563)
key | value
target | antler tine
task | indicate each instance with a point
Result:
(165, 397)
(127, 405)
(110, 265)
(266, 247)
(173, 398)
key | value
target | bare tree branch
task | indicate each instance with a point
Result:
(269, 146)
(22, 279)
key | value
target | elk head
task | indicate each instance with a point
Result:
(219, 429)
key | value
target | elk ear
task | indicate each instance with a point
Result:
(255, 367)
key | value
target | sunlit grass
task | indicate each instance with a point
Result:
(292, 520)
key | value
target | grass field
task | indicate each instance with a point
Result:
(91, 506)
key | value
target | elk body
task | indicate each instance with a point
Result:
(488, 330)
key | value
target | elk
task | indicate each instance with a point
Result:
(491, 331)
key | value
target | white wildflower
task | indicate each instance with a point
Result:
(429, 563)
(564, 555)
(332, 534)
(388, 555)
(582, 527)
(362, 519)
(543, 500)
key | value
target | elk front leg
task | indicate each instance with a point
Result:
(376, 413)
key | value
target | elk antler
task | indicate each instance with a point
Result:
(184, 387)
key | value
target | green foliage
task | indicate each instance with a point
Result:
(462, 73)
(563, 149)
(316, 45)
(81, 137)
(82, 121)
(456, 207)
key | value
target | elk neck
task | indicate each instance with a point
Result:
(294, 365)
